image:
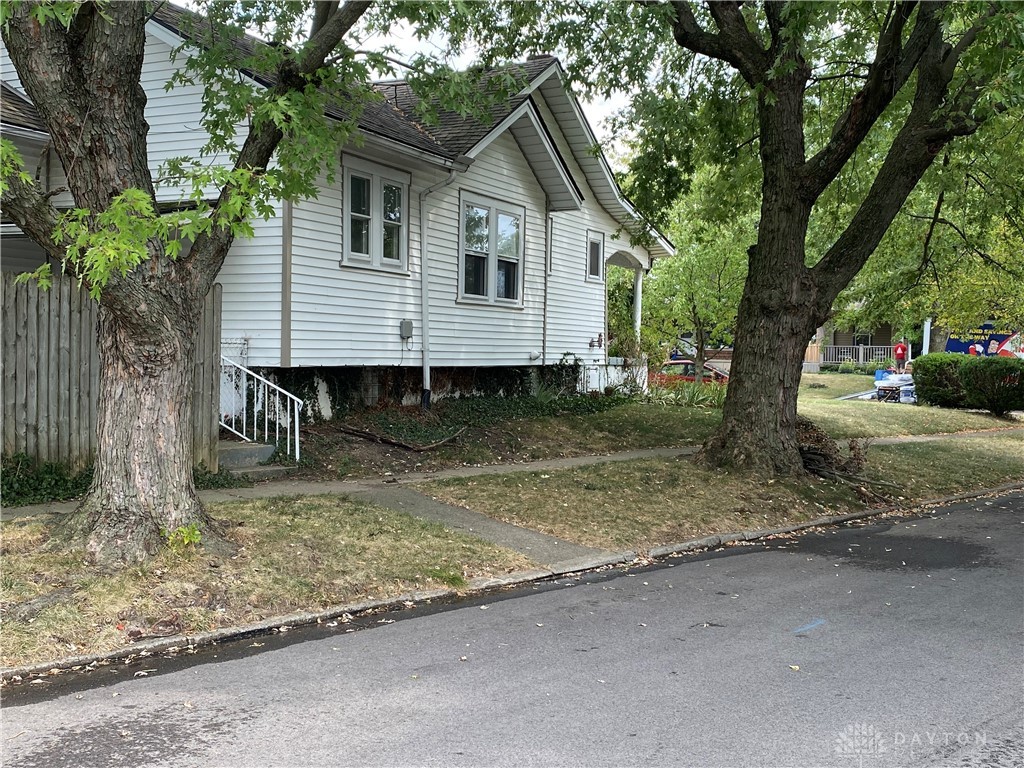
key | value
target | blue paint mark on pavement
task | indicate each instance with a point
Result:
(808, 627)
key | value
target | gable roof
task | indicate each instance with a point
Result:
(394, 118)
(454, 139)
(17, 111)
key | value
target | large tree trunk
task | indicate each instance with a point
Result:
(777, 311)
(758, 429)
(699, 343)
(142, 489)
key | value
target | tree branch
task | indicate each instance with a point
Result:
(210, 248)
(323, 11)
(32, 211)
(984, 256)
(888, 73)
(935, 214)
(734, 45)
(966, 41)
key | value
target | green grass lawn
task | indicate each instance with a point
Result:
(826, 386)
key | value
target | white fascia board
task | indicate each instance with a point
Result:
(497, 130)
(377, 141)
(556, 159)
(29, 134)
(164, 35)
(609, 178)
(529, 111)
(539, 80)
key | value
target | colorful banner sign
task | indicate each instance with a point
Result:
(986, 341)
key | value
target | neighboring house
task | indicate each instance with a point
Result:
(451, 246)
(831, 348)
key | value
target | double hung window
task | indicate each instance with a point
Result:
(595, 256)
(491, 267)
(376, 211)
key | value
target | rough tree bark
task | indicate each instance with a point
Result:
(784, 300)
(85, 83)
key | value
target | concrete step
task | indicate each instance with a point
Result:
(265, 472)
(234, 455)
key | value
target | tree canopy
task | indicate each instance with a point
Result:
(848, 106)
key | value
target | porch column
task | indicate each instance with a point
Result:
(638, 294)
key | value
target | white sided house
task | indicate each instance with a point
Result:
(436, 250)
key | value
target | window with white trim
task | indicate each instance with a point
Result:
(375, 204)
(491, 263)
(595, 256)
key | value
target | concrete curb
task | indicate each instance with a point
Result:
(191, 643)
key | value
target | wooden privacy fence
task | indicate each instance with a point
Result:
(50, 373)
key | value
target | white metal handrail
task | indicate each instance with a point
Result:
(256, 409)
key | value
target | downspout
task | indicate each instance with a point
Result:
(549, 227)
(461, 164)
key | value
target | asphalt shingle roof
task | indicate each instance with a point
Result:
(396, 118)
(17, 110)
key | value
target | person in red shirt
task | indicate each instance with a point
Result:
(899, 352)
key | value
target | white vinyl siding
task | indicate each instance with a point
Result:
(350, 316)
(251, 277)
(576, 303)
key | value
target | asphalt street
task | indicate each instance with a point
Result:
(892, 643)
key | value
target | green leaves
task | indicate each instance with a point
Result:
(45, 11)
(109, 243)
(11, 165)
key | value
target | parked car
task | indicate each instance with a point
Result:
(674, 371)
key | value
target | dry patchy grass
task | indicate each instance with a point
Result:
(950, 466)
(630, 426)
(294, 554)
(640, 503)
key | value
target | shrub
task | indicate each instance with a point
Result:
(995, 384)
(25, 481)
(688, 394)
(937, 379)
(847, 366)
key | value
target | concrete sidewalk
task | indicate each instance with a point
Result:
(392, 492)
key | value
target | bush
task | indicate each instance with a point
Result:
(995, 384)
(847, 366)
(688, 394)
(937, 379)
(25, 481)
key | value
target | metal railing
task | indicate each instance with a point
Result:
(257, 410)
(856, 354)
